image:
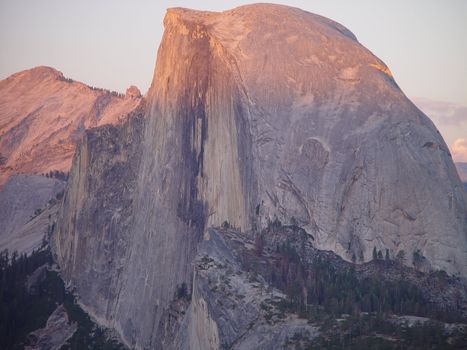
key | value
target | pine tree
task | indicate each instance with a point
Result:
(380, 255)
(401, 256)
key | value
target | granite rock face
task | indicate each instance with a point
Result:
(235, 303)
(462, 170)
(260, 113)
(55, 333)
(231, 309)
(27, 211)
(285, 112)
(95, 229)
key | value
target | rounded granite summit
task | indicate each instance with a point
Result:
(303, 88)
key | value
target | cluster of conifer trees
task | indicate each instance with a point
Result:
(339, 291)
(324, 292)
(57, 174)
(23, 311)
(20, 310)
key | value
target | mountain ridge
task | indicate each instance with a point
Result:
(43, 115)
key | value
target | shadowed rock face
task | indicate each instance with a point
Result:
(95, 228)
(26, 213)
(462, 170)
(43, 115)
(257, 113)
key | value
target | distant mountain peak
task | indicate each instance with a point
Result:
(44, 114)
(36, 73)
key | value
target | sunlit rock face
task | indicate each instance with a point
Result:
(257, 113)
(43, 115)
(290, 113)
(132, 92)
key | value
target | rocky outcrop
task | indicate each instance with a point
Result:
(55, 333)
(257, 114)
(43, 116)
(232, 308)
(236, 302)
(133, 92)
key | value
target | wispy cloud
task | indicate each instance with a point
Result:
(451, 120)
(443, 112)
(459, 150)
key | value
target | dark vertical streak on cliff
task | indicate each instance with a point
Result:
(192, 110)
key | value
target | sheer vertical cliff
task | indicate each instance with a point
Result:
(257, 113)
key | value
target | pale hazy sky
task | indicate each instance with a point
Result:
(113, 44)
